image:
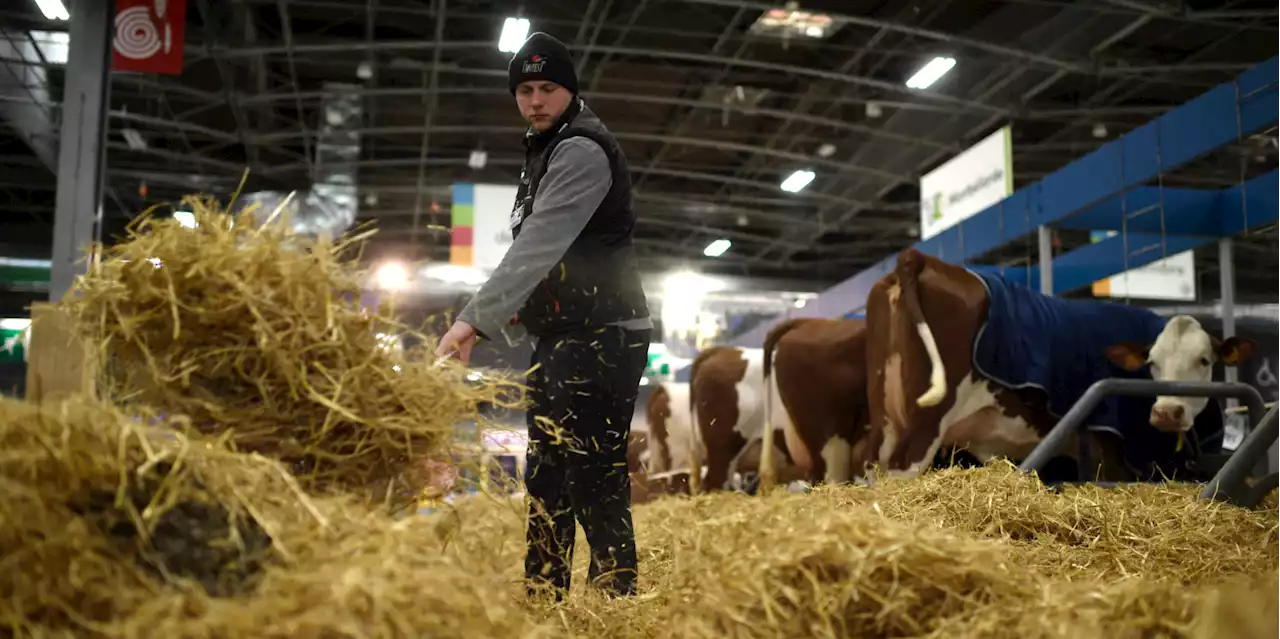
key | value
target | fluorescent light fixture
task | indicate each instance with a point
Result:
(798, 180)
(53, 9)
(134, 139)
(53, 45)
(717, 248)
(185, 218)
(514, 33)
(929, 73)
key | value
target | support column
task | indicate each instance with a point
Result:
(81, 157)
(1227, 281)
(1044, 237)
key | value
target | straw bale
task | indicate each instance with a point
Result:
(249, 330)
(1086, 530)
(261, 559)
(961, 553)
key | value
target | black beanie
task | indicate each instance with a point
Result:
(542, 57)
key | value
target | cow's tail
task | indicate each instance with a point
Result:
(766, 448)
(910, 264)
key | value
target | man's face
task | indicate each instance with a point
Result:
(541, 102)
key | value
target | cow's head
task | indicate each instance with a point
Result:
(1183, 352)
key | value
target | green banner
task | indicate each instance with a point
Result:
(12, 349)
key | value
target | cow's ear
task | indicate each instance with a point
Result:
(1129, 356)
(1234, 350)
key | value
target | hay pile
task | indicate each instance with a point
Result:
(252, 332)
(962, 553)
(113, 529)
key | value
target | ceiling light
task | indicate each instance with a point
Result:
(929, 73)
(514, 33)
(392, 276)
(717, 248)
(53, 9)
(826, 150)
(789, 21)
(186, 219)
(1099, 130)
(479, 158)
(798, 180)
(134, 139)
(364, 70)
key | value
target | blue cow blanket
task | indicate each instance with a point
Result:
(1059, 346)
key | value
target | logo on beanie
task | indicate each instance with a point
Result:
(534, 64)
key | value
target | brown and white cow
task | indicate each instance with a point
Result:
(645, 487)
(727, 399)
(671, 435)
(925, 392)
(819, 368)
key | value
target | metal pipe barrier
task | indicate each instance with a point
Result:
(1228, 482)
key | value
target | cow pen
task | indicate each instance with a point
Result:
(1230, 472)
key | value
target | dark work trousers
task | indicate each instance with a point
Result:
(583, 395)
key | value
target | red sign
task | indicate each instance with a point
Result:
(148, 36)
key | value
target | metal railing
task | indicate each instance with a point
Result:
(1228, 482)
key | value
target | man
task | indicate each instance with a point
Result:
(569, 279)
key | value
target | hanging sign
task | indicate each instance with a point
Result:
(149, 36)
(1170, 279)
(969, 183)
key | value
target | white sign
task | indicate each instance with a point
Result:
(491, 226)
(979, 177)
(1172, 278)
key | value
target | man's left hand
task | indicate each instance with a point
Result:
(461, 337)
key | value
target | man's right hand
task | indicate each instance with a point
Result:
(461, 337)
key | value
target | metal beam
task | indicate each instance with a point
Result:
(640, 98)
(81, 159)
(243, 127)
(286, 28)
(621, 135)
(750, 167)
(673, 173)
(684, 56)
(949, 38)
(681, 119)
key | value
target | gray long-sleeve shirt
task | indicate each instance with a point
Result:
(576, 181)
